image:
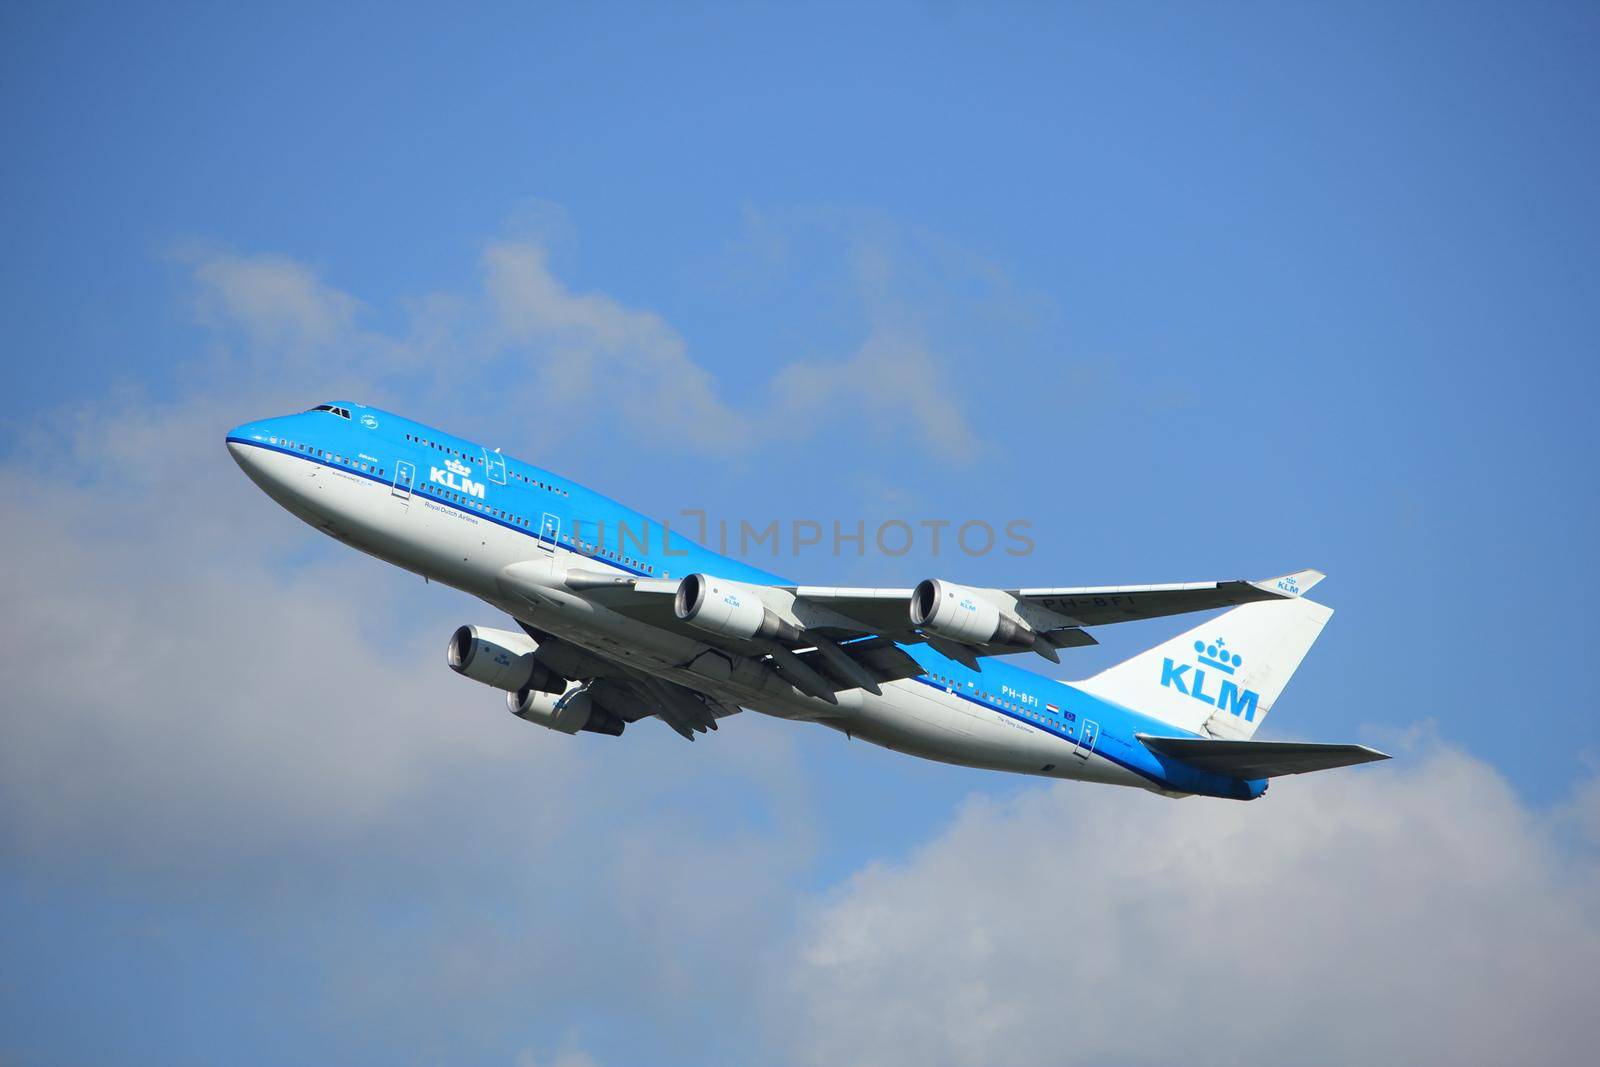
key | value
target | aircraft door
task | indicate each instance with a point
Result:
(405, 473)
(1088, 734)
(549, 531)
(494, 467)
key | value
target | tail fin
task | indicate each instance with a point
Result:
(1222, 677)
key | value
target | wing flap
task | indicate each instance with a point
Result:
(634, 693)
(877, 611)
(1258, 759)
(878, 656)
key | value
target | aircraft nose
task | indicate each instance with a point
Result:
(243, 445)
(239, 435)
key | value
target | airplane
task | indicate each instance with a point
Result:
(618, 619)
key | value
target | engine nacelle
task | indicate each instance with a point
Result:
(960, 613)
(732, 609)
(502, 659)
(574, 710)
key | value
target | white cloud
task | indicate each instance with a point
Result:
(598, 356)
(892, 382)
(277, 299)
(582, 362)
(571, 1057)
(1410, 915)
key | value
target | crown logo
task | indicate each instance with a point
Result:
(455, 466)
(1217, 655)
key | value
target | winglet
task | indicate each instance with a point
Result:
(1291, 585)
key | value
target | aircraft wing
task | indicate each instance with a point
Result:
(1055, 617)
(1089, 605)
(825, 655)
(1099, 605)
(824, 639)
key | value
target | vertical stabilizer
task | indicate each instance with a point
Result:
(1222, 677)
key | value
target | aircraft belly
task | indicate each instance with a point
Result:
(932, 726)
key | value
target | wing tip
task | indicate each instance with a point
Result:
(1294, 584)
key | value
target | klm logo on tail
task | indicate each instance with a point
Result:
(1227, 696)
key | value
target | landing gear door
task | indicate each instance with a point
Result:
(494, 467)
(404, 475)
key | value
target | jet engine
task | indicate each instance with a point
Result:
(732, 609)
(574, 710)
(502, 659)
(960, 613)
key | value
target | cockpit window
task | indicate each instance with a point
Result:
(343, 413)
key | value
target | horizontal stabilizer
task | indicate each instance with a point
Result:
(1258, 759)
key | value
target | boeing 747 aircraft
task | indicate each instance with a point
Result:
(618, 619)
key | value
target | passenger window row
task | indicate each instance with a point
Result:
(1038, 717)
(446, 449)
(468, 503)
(606, 553)
(523, 478)
(331, 457)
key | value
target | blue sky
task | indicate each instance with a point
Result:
(1195, 293)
